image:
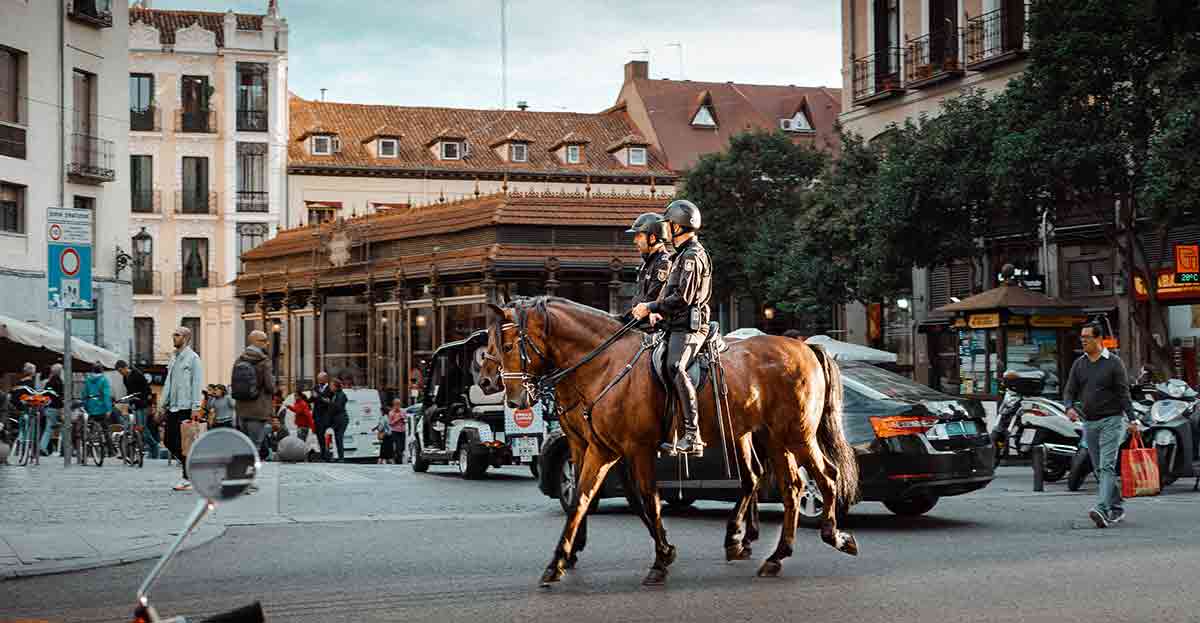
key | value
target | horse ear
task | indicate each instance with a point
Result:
(500, 313)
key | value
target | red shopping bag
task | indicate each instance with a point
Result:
(1139, 470)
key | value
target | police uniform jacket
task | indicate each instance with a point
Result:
(652, 276)
(684, 300)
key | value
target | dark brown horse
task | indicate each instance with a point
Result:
(780, 390)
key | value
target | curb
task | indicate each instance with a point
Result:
(97, 563)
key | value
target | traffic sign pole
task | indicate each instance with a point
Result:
(66, 417)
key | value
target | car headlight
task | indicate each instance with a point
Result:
(1164, 411)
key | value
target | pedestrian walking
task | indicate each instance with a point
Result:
(182, 393)
(397, 422)
(222, 407)
(54, 410)
(138, 388)
(322, 396)
(303, 416)
(253, 387)
(338, 418)
(1098, 391)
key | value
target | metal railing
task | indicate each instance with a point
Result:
(145, 119)
(196, 121)
(147, 282)
(91, 159)
(12, 141)
(877, 75)
(931, 56)
(252, 120)
(252, 201)
(96, 13)
(187, 283)
(195, 202)
(994, 37)
(145, 201)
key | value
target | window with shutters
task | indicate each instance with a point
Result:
(949, 281)
(143, 341)
(1090, 277)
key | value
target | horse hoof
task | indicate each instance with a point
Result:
(670, 557)
(550, 577)
(737, 552)
(849, 545)
(770, 569)
(656, 577)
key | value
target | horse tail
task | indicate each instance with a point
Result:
(829, 432)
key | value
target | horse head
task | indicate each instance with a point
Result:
(516, 351)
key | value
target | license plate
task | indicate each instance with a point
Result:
(960, 429)
(1027, 436)
(525, 447)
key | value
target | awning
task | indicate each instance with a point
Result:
(41, 345)
(851, 352)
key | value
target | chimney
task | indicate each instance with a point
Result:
(637, 70)
(522, 105)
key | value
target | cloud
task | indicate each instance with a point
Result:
(565, 54)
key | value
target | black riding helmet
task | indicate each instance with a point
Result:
(683, 213)
(650, 224)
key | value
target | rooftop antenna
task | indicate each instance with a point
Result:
(503, 54)
(323, 94)
(679, 45)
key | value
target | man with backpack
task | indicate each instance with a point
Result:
(252, 385)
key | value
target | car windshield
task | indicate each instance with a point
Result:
(880, 384)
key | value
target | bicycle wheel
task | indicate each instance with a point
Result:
(24, 444)
(95, 444)
(139, 452)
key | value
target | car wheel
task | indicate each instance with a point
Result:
(469, 466)
(1166, 455)
(1055, 472)
(533, 467)
(566, 482)
(674, 500)
(419, 463)
(912, 507)
(812, 504)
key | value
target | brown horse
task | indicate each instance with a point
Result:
(780, 390)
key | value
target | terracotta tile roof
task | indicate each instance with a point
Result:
(516, 136)
(422, 127)
(635, 140)
(671, 105)
(570, 138)
(167, 22)
(383, 131)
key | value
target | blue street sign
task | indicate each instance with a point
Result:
(69, 258)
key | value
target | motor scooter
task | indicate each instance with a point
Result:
(1172, 430)
(222, 464)
(1026, 419)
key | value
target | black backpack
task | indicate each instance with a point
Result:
(244, 382)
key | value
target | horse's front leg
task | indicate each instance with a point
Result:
(596, 464)
(641, 467)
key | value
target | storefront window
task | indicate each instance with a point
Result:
(977, 361)
(301, 352)
(1034, 349)
(463, 320)
(345, 332)
(421, 340)
(590, 293)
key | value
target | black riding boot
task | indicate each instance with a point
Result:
(690, 443)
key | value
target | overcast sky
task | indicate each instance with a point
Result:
(562, 54)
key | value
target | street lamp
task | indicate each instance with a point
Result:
(769, 313)
(142, 246)
(902, 303)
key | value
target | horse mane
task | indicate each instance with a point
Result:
(542, 303)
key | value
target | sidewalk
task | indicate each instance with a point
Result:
(56, 520)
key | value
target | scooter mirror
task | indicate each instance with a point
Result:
(222, 464)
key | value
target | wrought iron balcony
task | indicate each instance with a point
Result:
(932, 58)
(143, 201)
(95, 13)
(195, 202)
(12, 141)
(196, 121)
(877, 76)
(995, 37)
(188, 282)
(91, 159)
(145, 119)
(252, 201)
(251, 120)
(147, 283)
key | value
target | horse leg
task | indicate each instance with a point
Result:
(641, 467)
(784, 463)
(591, 475)
(738, 535)
(582, 533)
(824, 474)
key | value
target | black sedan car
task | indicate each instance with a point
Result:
(914, 446)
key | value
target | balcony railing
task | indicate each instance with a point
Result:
(196, 121)
(147, 283)
(91, 159)
(995, 37)
(145, 119)
(145, 201)
(251, 201)
(931, 58)
(186, 283)
(252, 121)
(97, 13)
(12, 141)
(877, 76)
(195, 202)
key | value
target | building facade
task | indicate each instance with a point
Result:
(208, 134)
(63, 142)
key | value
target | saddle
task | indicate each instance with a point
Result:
(700, 367)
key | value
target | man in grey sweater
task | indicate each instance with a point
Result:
(1098, 391)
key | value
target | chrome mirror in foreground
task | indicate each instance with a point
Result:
(222, 464)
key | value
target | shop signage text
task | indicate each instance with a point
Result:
(1169, 288)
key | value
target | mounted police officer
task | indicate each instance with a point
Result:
(683, 305)
(649, 234)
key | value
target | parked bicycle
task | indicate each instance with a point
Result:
(88, 439)
(127, 436)
(30, 420)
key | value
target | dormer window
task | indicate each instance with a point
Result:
(322, 145)
(797, 123)
(451, 150)
(388, 147)
(704, 118)
(574, 154)
(518, 152)
(637, 156)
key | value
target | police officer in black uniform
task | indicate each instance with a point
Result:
(649, 234)
(683, 305)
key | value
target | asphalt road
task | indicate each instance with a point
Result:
(450, 550)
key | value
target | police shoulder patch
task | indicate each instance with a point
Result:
(689, 264)
(662, 274)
